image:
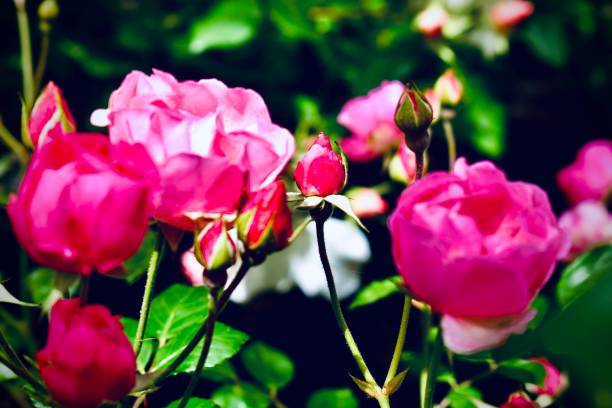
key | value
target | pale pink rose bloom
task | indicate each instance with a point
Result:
(211, 143)
(590, 176)
(431, 20)
(508, 13)
(588, 224)
(371, 119)
(367, 202)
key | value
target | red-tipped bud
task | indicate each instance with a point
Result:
(264, 224)
(508, 13)
(449, 89)
(322, 171)
(431, 20)
(214, 248)
(519, 400)
(413, 116)
(50, 110)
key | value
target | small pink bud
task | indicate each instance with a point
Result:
(413, 116)
(508, 13)
(264, 224)
(519, 400)
(448, 88)
(214, 248)
(367, 202)
(321, 172)
(431, 20)
(554, 381)
(403, 165)
(50, 110)
(434, 101)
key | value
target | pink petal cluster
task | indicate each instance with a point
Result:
(554, 381)
(87, 359)
(321, 171)
(590, 176)
(508, 13)
(50, 111)
(588, 224)
(371, 120)
(210, 143)
(83, 203)
(474, 245)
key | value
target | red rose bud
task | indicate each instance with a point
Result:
(87, 359)
(50, 110)
(519, 400)
(413, 116)
(509, 13)
(449, 89)
(214, 248)
(554, 381)
(264, 224)
(431, 20)
(321, 172)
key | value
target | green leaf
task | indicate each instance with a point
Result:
(137, 265)
(193, 403)
(40, 284)
(540, 305)
(228, 24)
(583, 273)
(343, 204)
(244, 395)
(269, 366)
(175, 317)
(545, 36)
(464, 397)
(375, 291)
(222, 373)
(524, 371)
(6, 373)
(333, 398)
(291, 18)
(146, 352)
(6, 297)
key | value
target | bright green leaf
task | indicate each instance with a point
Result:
(583, 273)
(268, 365)
(244, 395)
(464, 397)
(222, 372)
(524, 371)
(540, 305)
(333, 398)
(193, 403)
(40, 284)
(375, 291)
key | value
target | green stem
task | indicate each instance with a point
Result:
(430, 372)
(401, 340)
(382, 399)
(420, 164)
(26, 53)
(12, 143)
(449, 133)
(299, 229)
(42, 60)
(423, 377)
(210, 328)
(154, 262)
(17, 366)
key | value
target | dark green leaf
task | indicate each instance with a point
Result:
(291, 18)
(222, 373)
(464, 397)
(333, 398)
(524, 371)
(244, 395)
(583, 273)
(375, 291)
(146, 352)
(268, 365)
(546, 37)
(540, 305)
(137, 265)
(487, 120)
(194, 403)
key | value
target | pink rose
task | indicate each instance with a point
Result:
(371, 119)
(508, 13)
(590, 176)
(210, 143)
(87, 359)
(50, 110)
(588, 224)
(367, 202)
(519, 400)
(83, 204)
(474, 245)
(554, 381)
(321, 171)
(431, 20)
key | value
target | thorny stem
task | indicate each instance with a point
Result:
(12, 143)
(26, 53)
(401, 339)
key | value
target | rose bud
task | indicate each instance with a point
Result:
(403, 165)
(431, 20)
(451, 230)
(214, 248)
(509, 13)
(590, 176)
(321, 172)
(83, 204)
(449, 89)
(589, 224)
(87, 359)
(50, 110)
(367, 202)
(413, 116)
(519, 400)
(264, 224)
(554, 381)
(434, 101)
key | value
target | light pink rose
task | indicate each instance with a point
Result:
(590, 176)
(431, 20)
(588, 224)
(371, 119)
(474, 245)
(211, 144)
(506, 14)
(367, 202)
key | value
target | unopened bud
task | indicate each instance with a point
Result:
(214, 248)
(449, 89)
(413, 116)
(48, 10)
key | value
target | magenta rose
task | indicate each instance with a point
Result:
(371, 120)
(475, 246)
(87, 359)
(211, 144)
(83, 203)
(588, 224)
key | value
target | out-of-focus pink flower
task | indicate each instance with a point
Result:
(474, 245)
(408, 160)
(371, 122)
(50, 110)
(321, 171)
(508, 13)
(519, 400)
(367, 202)
(87, 359)
(590, 176)
(192, 268)
(588, 224)
(210, 143)
(448, 89)
(83, 203)
(434, 101)
(431, 20)
(554, 381)
(214, 248)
